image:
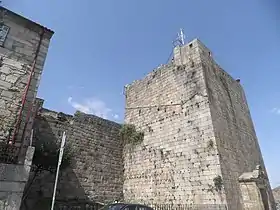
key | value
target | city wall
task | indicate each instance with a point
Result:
(96, 172)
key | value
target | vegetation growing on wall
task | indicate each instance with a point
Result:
(210, 144)
(218, 182)
(129, 134)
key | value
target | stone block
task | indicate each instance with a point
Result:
(5, 69)
(12, 172)
(5, 113)
(14, 201)
(7, 94)
(2, 77)
(11, 78)
(5, 84)
(2, 104)
(11, 187)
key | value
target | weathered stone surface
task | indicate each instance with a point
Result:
(4, 84)
(198, 130)
(237, 142)
(12, 182)
(178, 159)
(17, 55)
(7, 94)
(11, 78)
(11, 172)
(276, 194)
(12, 186)
(97, 171)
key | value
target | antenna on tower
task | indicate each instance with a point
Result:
(180, 39)
(182, 36)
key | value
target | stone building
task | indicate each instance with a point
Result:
(23, 50)
(199, 149)
(200, 146)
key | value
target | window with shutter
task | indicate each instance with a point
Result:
(4, 30)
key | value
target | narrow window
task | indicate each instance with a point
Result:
(4, 30)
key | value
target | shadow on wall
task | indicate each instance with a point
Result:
(39, 189)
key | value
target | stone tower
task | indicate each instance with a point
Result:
(199, 145)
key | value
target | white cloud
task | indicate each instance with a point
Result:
(276, 111)
(93, 106)
(116, 116)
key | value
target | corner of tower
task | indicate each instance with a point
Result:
(190, 52)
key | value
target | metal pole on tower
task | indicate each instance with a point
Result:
(58, 166)
(182, 36)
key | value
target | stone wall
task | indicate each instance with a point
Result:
(97, 170)
(238, 146)
(276, 194)
(17, 52)
(12, 182)
(178, 160)
(249, 191)
(198, 130)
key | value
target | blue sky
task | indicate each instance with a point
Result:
(101, 45)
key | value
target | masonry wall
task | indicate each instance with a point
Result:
(97, 170)
(251, 196)
(276, 195)
(178, 158)
(234, 130)
(12, 182)
(17, 51)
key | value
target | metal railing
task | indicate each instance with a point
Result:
(77, 205)
(96, 206)
(188, 206)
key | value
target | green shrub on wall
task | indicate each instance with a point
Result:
(129, 134)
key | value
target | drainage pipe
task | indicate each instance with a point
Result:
(24, 97)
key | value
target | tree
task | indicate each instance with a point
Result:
(45, 159)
